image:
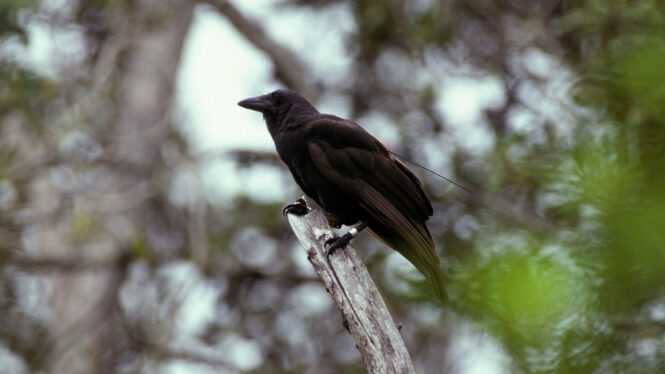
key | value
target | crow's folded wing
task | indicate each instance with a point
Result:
(357, 163)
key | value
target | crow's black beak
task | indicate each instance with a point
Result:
(259, 103)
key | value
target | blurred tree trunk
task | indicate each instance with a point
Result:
(137, 67)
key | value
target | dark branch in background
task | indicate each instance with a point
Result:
(510, 210)
(311, 3)
(173, 353)
(289, 69)
(68, 263)
(243, 157)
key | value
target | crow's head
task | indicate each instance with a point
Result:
(280, 107)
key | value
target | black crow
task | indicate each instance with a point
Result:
(352, 176)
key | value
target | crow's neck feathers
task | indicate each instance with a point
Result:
(290, 117)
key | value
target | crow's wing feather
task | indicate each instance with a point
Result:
(380, 191)
(355, 154)
(359, 165)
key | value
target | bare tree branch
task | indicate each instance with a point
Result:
(364, 312)
(289, 68)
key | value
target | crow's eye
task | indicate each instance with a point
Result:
(276, 97)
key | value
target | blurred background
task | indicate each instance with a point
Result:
(140, 208)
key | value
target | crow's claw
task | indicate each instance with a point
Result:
(338, 242)
(299, 208)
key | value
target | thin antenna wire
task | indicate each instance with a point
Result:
(433, 172)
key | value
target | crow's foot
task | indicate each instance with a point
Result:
(338, 242)
(299, 208)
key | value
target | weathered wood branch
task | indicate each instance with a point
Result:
(363, 310)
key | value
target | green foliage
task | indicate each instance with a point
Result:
(10, 18)
(20, 88)
(530, 294)
(24, 91)
(392, 24)
(139, 248)
(574, 308)
(431, 27)
(377, 24)
(624, 75)
(634, 254)
(640, 70)
(624, 56)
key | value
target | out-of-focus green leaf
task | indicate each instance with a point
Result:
(525, 294)
(10, 18)
(641, 70)
(25, 91)
(635, 251)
